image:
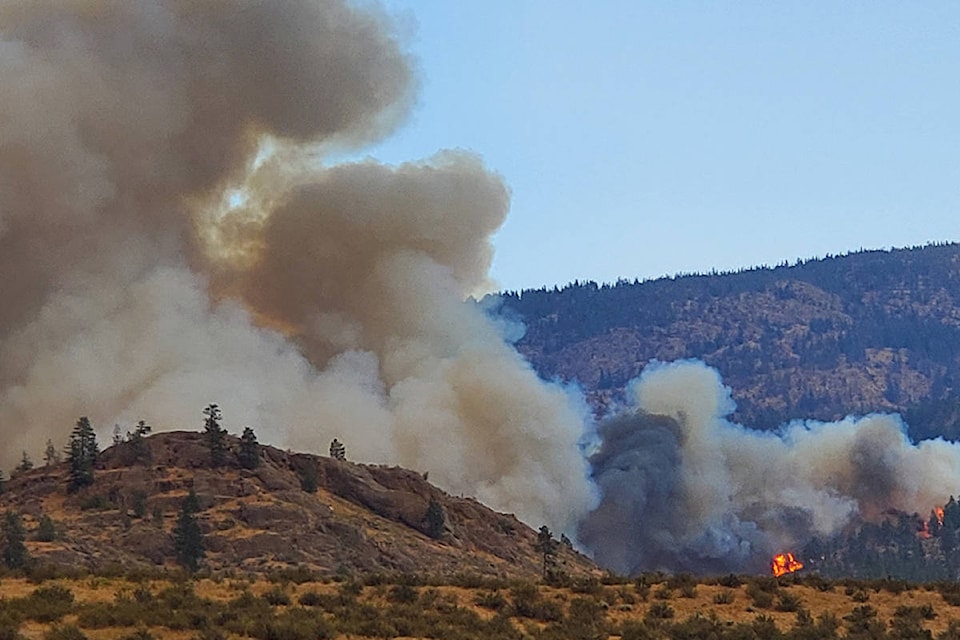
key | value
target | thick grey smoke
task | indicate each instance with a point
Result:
(684, 489)
(170, 237)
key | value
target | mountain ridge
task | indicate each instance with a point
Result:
(820, 339)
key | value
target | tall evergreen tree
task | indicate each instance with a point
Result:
(82, 452)
(14, 551)
(215, 435)
(187, 535)
(337, 450)
(548, 547)
(249, 449)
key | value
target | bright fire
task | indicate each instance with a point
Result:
(939, 512)
(785, 563)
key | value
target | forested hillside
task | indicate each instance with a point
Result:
(853, 334)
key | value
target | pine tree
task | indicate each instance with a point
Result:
(435, 519)
(337, 450)
(215, 435)
(46, 529)
(249, 449)
(25, 463)
(548, 547)
(187, 535)
(51, 456)
(138, 442)
(82, 454)
(14, 551)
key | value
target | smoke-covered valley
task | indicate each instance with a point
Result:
(173, 233)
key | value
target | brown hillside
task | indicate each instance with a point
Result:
(361, 518)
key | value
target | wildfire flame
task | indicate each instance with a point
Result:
(924, 531)
(783, 563)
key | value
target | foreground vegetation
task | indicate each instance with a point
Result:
(295, 605)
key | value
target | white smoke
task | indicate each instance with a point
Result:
(328, 302)
(726, 498)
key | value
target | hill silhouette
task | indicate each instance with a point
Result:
(818, 339)
(317, 513)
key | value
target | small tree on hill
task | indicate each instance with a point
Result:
(249, 455)
(50, 455)
(187, 535)
(25, 463)
(215, 435)
(14, 551)
(82, 452)
(137, 441)
(435, 519)
(337, 450)
(46, 529)
(548, 547)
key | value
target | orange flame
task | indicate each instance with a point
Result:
(939, 512)
(783, 563)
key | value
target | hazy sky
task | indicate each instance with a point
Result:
(649, 138)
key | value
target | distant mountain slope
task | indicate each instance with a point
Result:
(868, 331)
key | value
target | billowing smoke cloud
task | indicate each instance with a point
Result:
(170, 237)
(684, 489)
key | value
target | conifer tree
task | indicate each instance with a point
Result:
(82, 452)
(548, 547)
(14, 551)
(187, 535)
(25, 463)
(215, 435)
(435, 519)
(337, 450)
(137, 440)
(50, 455)
(249, 449)
(46, 529)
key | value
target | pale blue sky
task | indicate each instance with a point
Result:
(649, 138)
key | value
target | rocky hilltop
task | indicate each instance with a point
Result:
(853, 334)
(359, 518)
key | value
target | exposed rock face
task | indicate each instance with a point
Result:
(360, 518)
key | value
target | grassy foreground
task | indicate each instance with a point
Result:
(294, 606)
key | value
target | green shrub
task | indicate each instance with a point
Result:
(730, 581)
(402, 594)
(659, 611)
(788, 602)
(46, 603)
(65, 632)
(492, 600)
(663, 593)
(277, 597)
(723, 597)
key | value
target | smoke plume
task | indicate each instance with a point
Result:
(686, 490)
(171, 236)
